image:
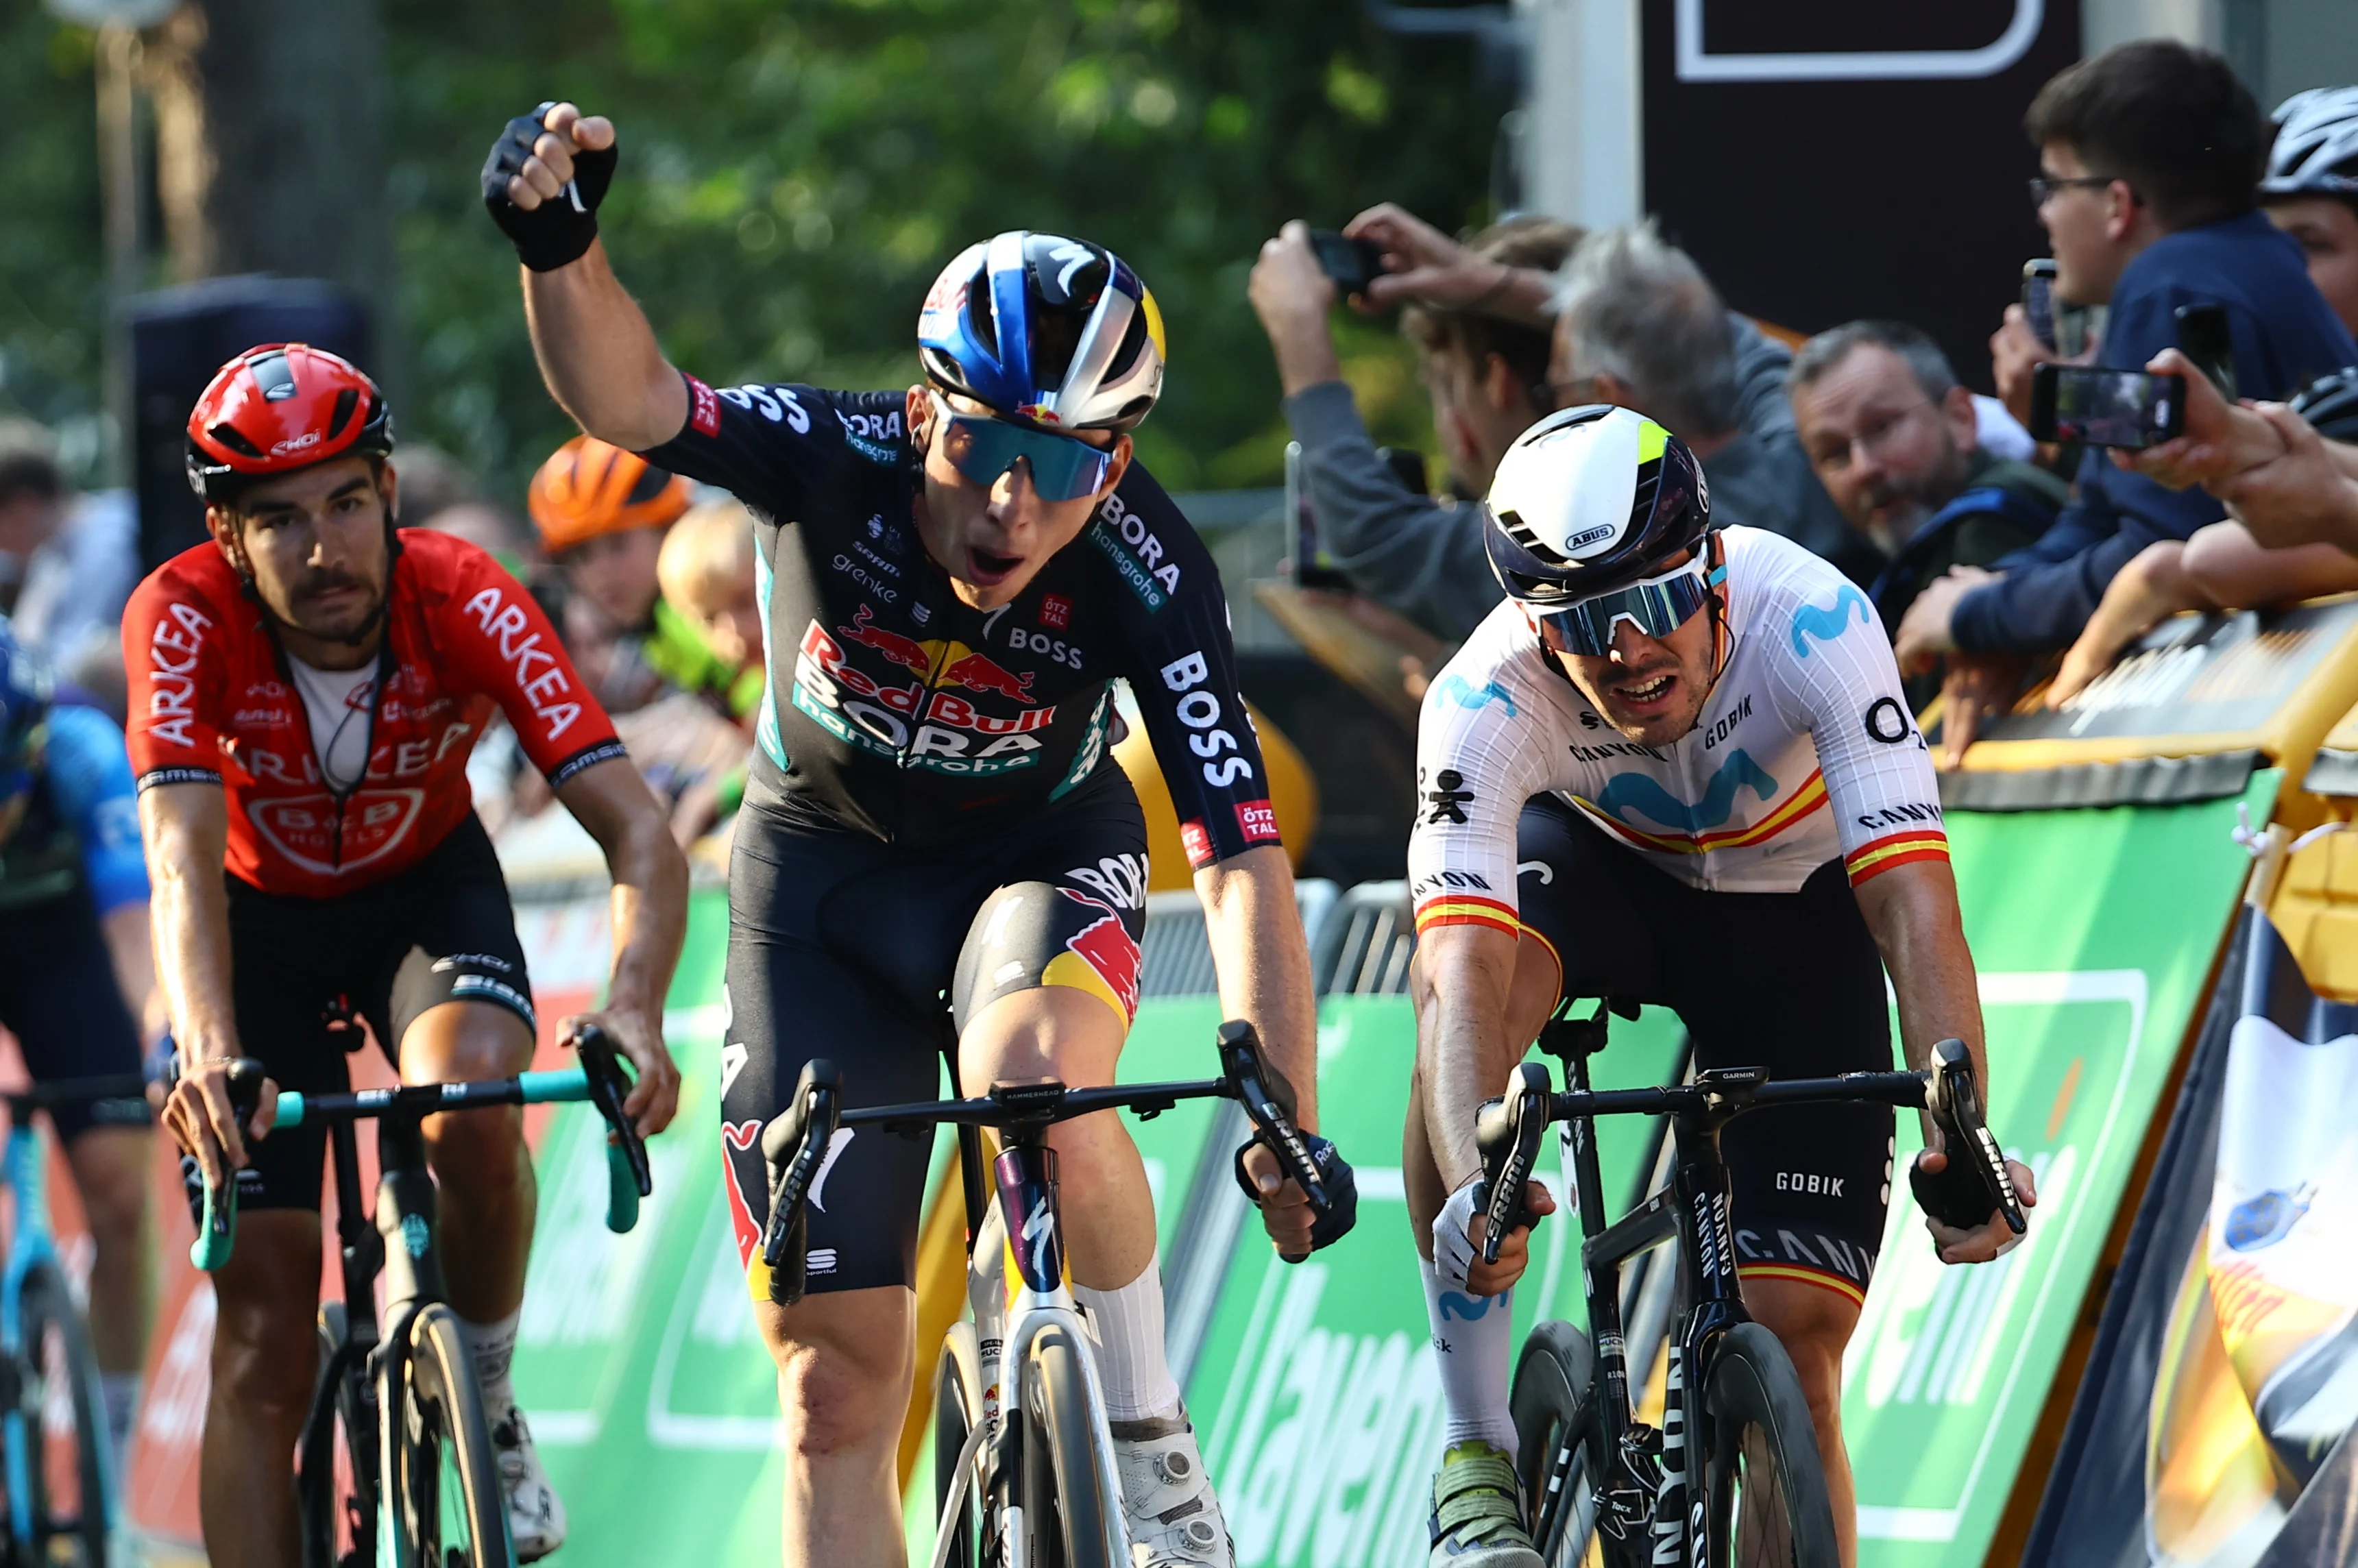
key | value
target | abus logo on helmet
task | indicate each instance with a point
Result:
(309, 438)
(1589, 536)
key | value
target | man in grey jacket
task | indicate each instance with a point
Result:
(1480, 314)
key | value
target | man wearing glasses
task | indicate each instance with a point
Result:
(1674, 767)
(2150, 156)
(951, 576)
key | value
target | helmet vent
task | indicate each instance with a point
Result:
(1523, 533)
(1650, 490)
(229, 436)
(274, 375)
(341, 415)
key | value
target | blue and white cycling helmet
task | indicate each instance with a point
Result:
(2316, 150)
(25, 688)
(1054, 333)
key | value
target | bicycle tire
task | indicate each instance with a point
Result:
(1553, 1401)
(71, 1507)
(957, 1409)
(1065, 1510)
(1764, 1488)
(445, 1439)
(342, 1424)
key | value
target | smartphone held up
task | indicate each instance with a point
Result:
(1350, 262)
(2099, 407)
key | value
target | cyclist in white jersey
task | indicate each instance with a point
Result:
(1673, 767)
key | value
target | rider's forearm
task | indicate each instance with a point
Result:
(1263, 963)
(1913, 911)
(1460, 981)
(189, 911)
(650, 916)
(600, 357)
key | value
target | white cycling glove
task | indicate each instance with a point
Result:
(1452, 1246)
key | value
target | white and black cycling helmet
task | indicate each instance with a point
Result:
(2316, 150)
(1052, 331)
(1589, 514)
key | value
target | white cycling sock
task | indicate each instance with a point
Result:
(1138, 1381)
(121, 1392)
(491, 1346)
(1474, 1340)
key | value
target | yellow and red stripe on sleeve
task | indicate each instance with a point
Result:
(1463, 909)
(1878, 855)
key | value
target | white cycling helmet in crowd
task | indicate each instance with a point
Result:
(2316, 150)
(1588, 517)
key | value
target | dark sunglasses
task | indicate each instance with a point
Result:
(1655, 607)
(1063, 468)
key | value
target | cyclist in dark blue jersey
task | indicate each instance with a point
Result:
(951, 576)
(76, 978)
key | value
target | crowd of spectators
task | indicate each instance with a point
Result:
(1996, 565)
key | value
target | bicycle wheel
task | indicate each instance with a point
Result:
(1064, 1505)
(957, 1410)
(336, 1477)
(1557, 1435)
(1764, 1488)
(59, 1427)
(450, 1509)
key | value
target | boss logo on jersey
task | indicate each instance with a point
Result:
(1199, 710)
(1055, 613)
(1135, 552)
(172, 650)
(1047, 648)
(374, 822)
(775, 403)
(538, 674)
(1720, 728)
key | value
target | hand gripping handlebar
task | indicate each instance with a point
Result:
(1976, 1182)
(795, 1146)
(629, 1178)
(1268, 1102)
(217, 1214)
(1508, 1132)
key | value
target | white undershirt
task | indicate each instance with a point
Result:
(337, 702)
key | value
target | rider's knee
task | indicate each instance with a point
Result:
(112, 1181)
(841, 1385)
(258, 1360)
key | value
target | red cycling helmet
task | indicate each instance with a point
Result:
(279, 408)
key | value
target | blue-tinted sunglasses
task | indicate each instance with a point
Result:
(1655, 607)
(1063, 468)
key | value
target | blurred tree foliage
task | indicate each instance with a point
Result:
(794, 175)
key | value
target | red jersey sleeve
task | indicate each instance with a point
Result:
(177, 667)
(497, 642)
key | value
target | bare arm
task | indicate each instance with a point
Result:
(1912, 911)
(1462, 977)
(1263, 962)
(649, 918)
(1424, 263)
(597, 352)
(186, 829)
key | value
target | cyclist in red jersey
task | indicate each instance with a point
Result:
(304, 692)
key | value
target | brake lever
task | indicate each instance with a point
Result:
(629, 1177)
(793, 1146)
(1268, 1102)
(1508, 1132)
(1954, 1100)
(216, 1214)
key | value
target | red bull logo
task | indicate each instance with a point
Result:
(938, 662)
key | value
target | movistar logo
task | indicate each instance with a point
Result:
(1456, 688)
(1828, 622)
(1644, 794)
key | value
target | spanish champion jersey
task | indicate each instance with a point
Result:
(212, 703)
(897, 711)
(1804, 750)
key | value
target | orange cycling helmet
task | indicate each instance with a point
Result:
(278, 407)
(588, 488)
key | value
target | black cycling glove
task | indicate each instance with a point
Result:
(1341, 1190)
(560, 229)
(1959, 1197)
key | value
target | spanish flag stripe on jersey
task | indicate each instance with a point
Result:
(1463, 909)
(1899, 849)
(1818, 1277)
(1803, 801)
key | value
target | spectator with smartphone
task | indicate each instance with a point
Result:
(1638, 325)
(2150, 156)
(1895, 441)
(2289, 481)
(1488, 375)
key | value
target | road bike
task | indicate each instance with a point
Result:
(59, 1458)
(1025, 1472)
(1732, 1476)
(395, 1468)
